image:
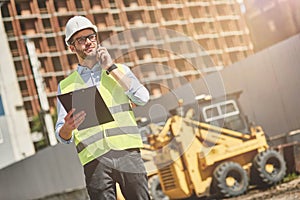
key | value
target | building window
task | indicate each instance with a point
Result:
(56, 64)
(5, 11)
(78, 5)
(1, 107)
(42, 6)
(1, 114)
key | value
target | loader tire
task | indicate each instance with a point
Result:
(229, 179)
(268, 168)
(156, 192)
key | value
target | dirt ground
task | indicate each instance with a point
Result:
(285, 191)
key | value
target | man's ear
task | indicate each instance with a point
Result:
(72, 48)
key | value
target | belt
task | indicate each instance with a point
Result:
(133, 149)
(120, 153)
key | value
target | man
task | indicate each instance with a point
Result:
(109, 152)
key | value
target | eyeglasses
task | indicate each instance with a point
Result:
(81, 40)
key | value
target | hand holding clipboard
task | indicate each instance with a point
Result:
(86, 101)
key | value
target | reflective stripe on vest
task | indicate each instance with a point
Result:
(122, 133)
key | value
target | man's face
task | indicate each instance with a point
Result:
(84, 44)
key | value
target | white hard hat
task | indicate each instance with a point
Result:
(76, 24)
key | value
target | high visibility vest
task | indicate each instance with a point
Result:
(120, 134)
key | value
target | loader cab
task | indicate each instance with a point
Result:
(225, 114)
(223, 111)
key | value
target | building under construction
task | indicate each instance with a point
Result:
(216, 25)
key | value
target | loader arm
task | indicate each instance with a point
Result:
(161, 135)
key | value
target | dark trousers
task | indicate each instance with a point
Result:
(124, 167)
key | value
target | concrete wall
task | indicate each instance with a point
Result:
(7, 153)
(51, 171)
(270, 85)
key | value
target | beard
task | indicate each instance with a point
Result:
(89, 52)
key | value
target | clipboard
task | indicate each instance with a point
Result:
(90, 101)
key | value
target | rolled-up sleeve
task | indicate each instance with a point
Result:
(61, 113)
(137, 93)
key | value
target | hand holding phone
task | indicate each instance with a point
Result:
(104, 57)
